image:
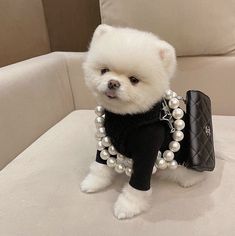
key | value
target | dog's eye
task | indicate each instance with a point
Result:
(133, 80)
(104, 70)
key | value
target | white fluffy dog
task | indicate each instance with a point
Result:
(139, 65)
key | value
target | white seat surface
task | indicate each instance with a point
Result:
(40, 192)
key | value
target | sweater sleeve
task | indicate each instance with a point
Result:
(143, 144)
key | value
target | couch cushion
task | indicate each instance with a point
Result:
(193, 27)
(34, 95)
(83, 98)
(40, 192)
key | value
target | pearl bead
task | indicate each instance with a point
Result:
(161, 164)
(128, 162)
(178, 135)
(101, 132)
(104, 155)
(179, 124)
(174, 146)
(128, 171)
(120, 157)
(106, 141)
(172, 164)
(119, 168)
(111, 162)
(99, 110)
(168, 94)
(174, 103)
(174, 94)
(168, 155)
(100, 146)
(99, 121)
(112, 150)
(177, 113)
(154, 169)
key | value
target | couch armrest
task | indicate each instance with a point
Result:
(34, 95)
(83, 99)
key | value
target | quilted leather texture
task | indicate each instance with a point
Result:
(199, 132)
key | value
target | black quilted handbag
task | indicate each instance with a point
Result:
(199, 132)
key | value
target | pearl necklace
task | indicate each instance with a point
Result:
(121, 163)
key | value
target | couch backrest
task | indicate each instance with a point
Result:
(23, 32)
(194, 27)
(34, 95)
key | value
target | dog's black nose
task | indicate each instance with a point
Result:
(113, 84)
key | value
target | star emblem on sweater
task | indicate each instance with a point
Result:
(165, 115)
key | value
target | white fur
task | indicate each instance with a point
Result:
(131, 202)
(99, 177)
(182, 175)
(129, 52)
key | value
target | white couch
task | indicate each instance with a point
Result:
(40, 192)
(47, 143)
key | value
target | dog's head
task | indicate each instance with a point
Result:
(128, 70)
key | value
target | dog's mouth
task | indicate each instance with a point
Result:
(111, 94)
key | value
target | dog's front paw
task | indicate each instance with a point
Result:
(100, 177)
(124, 208)
(131, 202)
(93, 183)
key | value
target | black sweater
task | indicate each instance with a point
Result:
(140, 137)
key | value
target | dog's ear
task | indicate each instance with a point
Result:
(168, 57)
(101, 29)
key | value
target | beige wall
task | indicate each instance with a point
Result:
(29, 28)
(23, 32)
(71, 23)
